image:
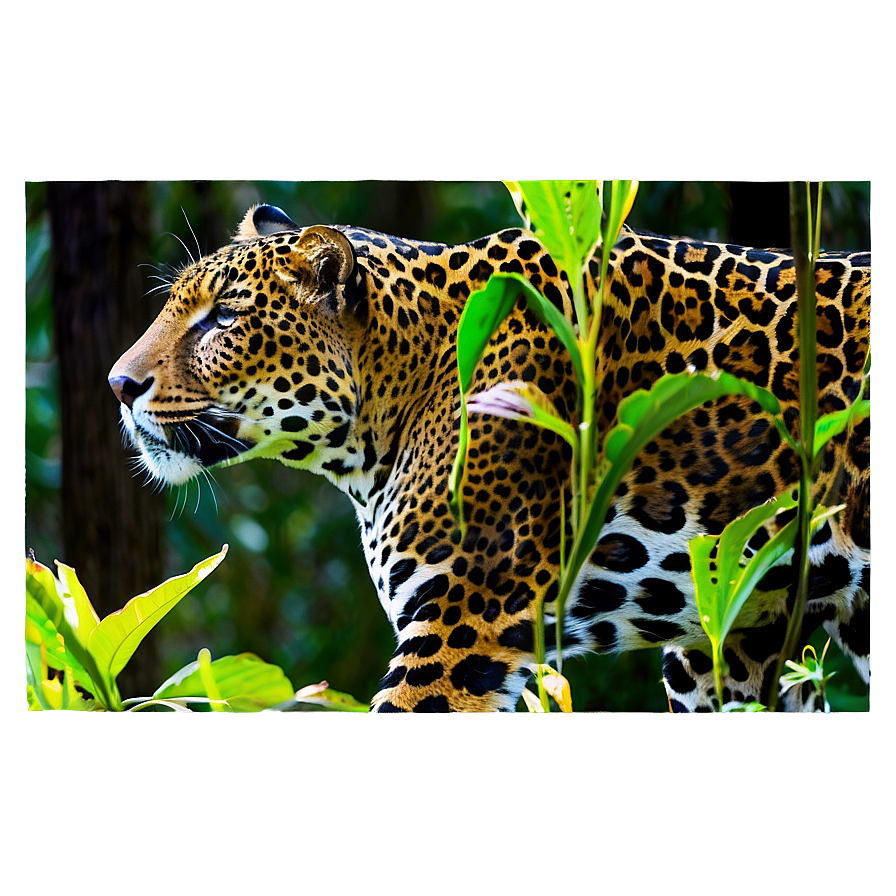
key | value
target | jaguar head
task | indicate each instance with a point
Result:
(249, 356)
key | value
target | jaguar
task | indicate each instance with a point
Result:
(332, 349)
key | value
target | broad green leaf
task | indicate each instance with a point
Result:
(49, 593)
(519, 400)
(43, 586)
(78, 610)
(566, 217)
(51, 649)
(717, 595)
(320, 696)
(483, 313)
(724, 580)
(830, 425)
(776, 548)
(245, 681)
(641, 417)
(114, 640)
(36, 677)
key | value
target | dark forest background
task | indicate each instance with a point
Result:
(294, 588)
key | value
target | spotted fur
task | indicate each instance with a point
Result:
(332, 349)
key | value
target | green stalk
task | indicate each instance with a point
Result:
(805, 251)
(717, 672)
(540, 655)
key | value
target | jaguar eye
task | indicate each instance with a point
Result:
(222, 316)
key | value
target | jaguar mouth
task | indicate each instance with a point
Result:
(210, 437)
(176, 452)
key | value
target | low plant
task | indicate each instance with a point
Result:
(724, 575)
(73, 657)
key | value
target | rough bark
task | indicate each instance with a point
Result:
(112, 526)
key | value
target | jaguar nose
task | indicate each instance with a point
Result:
(126, 389)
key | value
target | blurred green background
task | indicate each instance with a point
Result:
(294, 588)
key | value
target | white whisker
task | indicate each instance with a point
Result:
(198, 250)
(193, 260)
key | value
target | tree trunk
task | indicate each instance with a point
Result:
(112, 526)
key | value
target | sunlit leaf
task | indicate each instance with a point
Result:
(114, 640)
(716, 566)
(830, 425)
(49, 593)
(45, 645)
(724, 579)
(78, 610)
(622, 198)
(565, 215)
(642, 416)
(245, 681)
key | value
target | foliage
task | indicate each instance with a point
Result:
(569, 219)
(73, 658)
(724, 577)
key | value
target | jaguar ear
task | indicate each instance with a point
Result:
(329, 253)
(263, 220)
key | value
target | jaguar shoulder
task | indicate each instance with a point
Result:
(332, 349)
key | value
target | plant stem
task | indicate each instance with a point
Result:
(717, 672)
(540, 655)
(804, 251)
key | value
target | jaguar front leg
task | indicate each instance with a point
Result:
(460, 650)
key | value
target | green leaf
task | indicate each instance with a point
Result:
(483, 313)
(719, 592)
(566, 217)
(724, 579)
(114, 640)
(41, 633)
(79, 611)
(245, 681)
(641, 417)
(830, 425)
(622, 198)
(42, 587)
(459, 468)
